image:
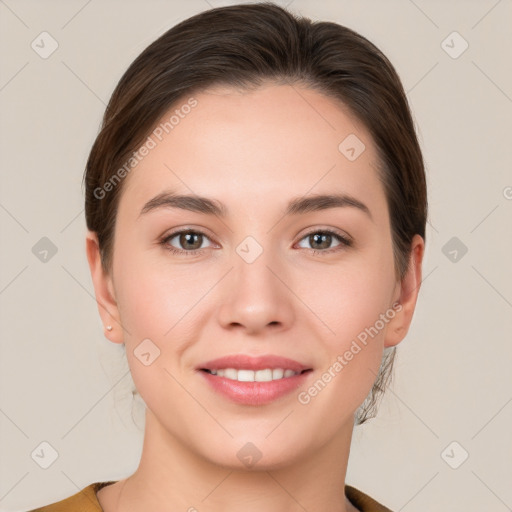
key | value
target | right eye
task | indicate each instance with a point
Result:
(190, 240)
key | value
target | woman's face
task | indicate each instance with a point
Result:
(261, 279)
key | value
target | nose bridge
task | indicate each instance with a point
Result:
(256, 297)
(254, 278)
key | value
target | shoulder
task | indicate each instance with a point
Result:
(83, 501)
(362, 501)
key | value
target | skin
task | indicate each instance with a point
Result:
(253, 151)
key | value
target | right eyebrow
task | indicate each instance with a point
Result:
(191, 203)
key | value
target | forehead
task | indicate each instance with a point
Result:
(240, 144)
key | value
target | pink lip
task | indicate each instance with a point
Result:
(254, 393)
(242, 361)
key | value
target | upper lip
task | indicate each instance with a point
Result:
(246, 362)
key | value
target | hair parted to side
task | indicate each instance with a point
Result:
(245, 46)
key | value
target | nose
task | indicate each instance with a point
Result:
(256, 296)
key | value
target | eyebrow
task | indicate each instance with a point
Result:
(296, 206)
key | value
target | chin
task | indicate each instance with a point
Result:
(257, 455)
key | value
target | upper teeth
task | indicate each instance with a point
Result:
(265, 375)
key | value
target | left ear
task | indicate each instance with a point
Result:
(409, 289)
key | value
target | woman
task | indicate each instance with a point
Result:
(256, 208)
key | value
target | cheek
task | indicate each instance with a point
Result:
(163, 309)
(349, 299)
(354, 302)
(353, 308)
(155, 297)
(158, 311)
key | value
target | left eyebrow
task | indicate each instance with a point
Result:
(296, 206)
(323, 201)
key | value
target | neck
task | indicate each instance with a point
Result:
(173, 477)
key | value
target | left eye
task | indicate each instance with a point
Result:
(321, 240)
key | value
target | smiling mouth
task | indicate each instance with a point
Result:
(263, 375)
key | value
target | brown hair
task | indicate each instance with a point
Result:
(244, 46)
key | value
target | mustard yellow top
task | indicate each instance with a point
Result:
(86, 501)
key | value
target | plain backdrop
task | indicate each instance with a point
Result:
(442, 439)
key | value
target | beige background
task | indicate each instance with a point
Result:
(63, 383)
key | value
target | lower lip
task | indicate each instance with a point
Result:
(254, 393)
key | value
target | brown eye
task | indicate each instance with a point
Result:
(185, 241)
(321, 241)
(190, 240)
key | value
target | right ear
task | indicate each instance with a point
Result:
(104, 290)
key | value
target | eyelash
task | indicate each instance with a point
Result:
(344, 242)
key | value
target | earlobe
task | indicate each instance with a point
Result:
(409, 289)
(104, 291)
